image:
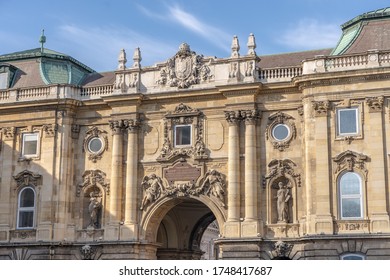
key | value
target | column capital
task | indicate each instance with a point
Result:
(233, 117)
(116, 126)
(132, 125)
(250, 116)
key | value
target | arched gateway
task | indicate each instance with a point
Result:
(176, 225)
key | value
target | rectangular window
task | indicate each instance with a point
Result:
(347, 121)
(30, 144)
(183, 135)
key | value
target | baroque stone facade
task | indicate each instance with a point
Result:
(270, 159)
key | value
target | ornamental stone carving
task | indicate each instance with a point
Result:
(320, 108)
(95, 179)
(183, 115)
(375, 104)
(351, 161)
(284, 122)
(27, 178)
(282, 168)
(213, 183)
(153, 188)
(8, 132)
(95, 143)
(50, 129)
(282, 249)
(186, 68)
(87, 252)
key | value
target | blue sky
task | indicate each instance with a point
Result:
(94, 31)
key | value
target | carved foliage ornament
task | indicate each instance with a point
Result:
(351, 161)
(186, 68)
(375, 104)
(320, 107)
(282, 249)
(280, 130)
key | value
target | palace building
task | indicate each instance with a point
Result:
(282, 156)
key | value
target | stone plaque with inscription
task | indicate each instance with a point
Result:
(182, 172)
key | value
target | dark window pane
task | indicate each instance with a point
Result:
(26, 219)
(27, 198)
(183, 135)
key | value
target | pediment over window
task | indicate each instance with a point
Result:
(351, 161)
(27, 178)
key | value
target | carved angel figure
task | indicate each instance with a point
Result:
(153, 186)
(214, 184)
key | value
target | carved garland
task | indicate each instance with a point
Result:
(276, 119)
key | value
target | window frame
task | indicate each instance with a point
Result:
(350, 196)
(36, 155)
(26, 209)
(338, 122)
(174, 135)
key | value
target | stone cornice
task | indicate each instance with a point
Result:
(342, 77)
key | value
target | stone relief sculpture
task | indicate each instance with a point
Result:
(186, 68)
(214, 184)
(283, 197)
(153, 186)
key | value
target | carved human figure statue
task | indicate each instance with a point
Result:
(94, 207)
(283, 196)
(215, 183)
(153, 187)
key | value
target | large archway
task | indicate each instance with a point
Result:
(177, 226)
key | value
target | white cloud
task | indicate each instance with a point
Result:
(311, 34)
(216, 36)
(101, 45)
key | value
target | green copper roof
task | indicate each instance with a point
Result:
(55, 67)
(351, 29)
(348, 37)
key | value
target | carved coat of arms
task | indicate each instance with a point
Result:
(184, 69)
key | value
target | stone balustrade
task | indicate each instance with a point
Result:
(318, 64)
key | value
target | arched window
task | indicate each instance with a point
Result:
(26, 208)
(350, 196)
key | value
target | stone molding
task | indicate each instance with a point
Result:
(280, 118)
(94, 179)
(95, 132)
(27, 178)
(375, 104)
(352, 162)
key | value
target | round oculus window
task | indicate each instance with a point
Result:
(95, 145)
(280, 132)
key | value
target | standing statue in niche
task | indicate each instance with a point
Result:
(95, 205)
(283, 197)
(153, 187)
